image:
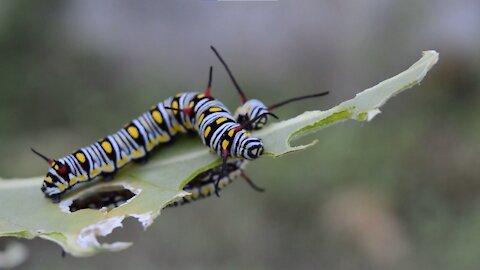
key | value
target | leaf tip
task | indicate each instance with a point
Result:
(146, 219)
(367, 116)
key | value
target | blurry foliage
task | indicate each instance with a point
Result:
(421, 156)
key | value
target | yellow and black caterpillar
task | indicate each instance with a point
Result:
(204, 184)
(179, 114)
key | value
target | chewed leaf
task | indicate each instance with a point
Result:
(363, 107)
(141, 191)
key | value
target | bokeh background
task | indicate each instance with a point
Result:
(400, 192)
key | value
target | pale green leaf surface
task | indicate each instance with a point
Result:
(24, 212)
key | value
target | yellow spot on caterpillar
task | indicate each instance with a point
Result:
(221, 120)
(225, 144)
(48, 179)
(239, 110)
(187, 125)
(178, 95)
(215, 109)
(248, 107)
(231, 132)
(82, 178)
(163, 138)
(107, 147)
(178, 128)
(200, 96)
(191, 104)
(62, 187)
(175, 106)
(157, 116)
(207, 131)
(81, 157)
(56, 167)
(206, 189)
(223, 183)
(73, 181)
(248, 134)
(137, 153)
(194, 195)
(122, 161)
(107, 168)
(150, 145)
(133, 131)
(94, 172)
(201, 118)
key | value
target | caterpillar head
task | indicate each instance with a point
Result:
(57, 180)
(252, 148)
(252, 114)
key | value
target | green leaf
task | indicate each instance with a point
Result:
(24, 212)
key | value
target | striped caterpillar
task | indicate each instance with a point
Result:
(203, 185)
(252, 114)
(179, 114)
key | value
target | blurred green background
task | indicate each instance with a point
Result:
(400, 192)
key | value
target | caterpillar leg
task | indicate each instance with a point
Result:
(55, 198)
(142, 160)
(251, 183)
(224, 171)
(108, 176)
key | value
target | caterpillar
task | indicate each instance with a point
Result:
(184, 112)
(252, 114)
(203, 185)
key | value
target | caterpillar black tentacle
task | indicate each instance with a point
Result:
(179, 114)
(250, 182)
(254, 109)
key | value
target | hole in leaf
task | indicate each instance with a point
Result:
(103, 198)
(130, 227)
